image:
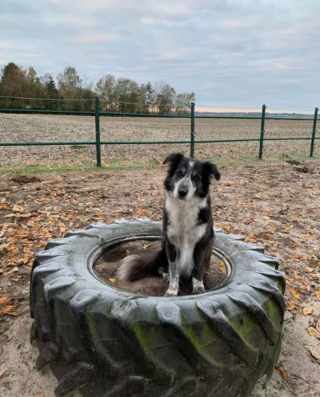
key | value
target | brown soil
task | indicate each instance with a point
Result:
(59, 128)
(273, 204)
(108, 264)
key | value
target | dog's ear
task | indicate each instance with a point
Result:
(173, 160)
(211, 170)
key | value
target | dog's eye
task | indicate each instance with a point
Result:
(196, 178)
(179, 173)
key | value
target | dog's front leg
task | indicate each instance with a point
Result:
(173, 270)
(201, 259)
(197, 283)
(173, 280)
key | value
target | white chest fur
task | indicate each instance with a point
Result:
(183, 231)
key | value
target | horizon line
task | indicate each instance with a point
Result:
(232, 110)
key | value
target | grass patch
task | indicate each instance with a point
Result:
(255, 159)
(40, 169)
(151, 164)
(88, 167)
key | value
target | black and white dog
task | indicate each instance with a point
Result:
(187, 227)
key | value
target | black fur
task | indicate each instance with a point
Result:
(205, 214)
(173, 161)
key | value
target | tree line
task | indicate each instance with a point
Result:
(71, 92)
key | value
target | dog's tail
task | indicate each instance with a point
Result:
(134, 267)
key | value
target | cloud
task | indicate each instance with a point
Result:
(241, 23)
(180, 54)
(238, 53)
(5, 44)
(97, 38)
(75, 21)
(159, 21)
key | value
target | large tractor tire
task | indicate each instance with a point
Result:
(108, 342)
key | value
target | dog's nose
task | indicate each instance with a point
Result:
(182, 192)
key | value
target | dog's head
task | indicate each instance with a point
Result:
(187, 177)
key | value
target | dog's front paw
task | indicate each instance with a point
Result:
(198, 290)
(164, 275)
(171, 292)
(197, 287)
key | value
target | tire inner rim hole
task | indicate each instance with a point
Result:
(107, 264)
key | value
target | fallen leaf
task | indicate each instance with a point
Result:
(313, 332)
(2, 374)
(317, 293)
(4, 300)
(221, 267)
(6, 309)
(145, 246)
(112, 280)
(41, 244)
(314, 353)
(295, 293)
(15, 314)
(309, 269)
(14, 270)
(307, 310)
(281, 371)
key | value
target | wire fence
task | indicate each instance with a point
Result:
(100, 108)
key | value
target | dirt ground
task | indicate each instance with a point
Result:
(274, 204)
(59, 128)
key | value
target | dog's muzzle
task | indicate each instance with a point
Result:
(182, 192)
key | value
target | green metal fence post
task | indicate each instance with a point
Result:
(97, 120)
(192, 131)
(314, 131)
(263, 116)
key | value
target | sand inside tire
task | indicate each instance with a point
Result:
(107, 265)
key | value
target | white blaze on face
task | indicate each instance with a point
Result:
(187, 182)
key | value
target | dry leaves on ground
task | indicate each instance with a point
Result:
(272, 205)
(282, 372)
(314, 353)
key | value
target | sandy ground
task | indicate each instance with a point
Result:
(274, 204)
(55, 128)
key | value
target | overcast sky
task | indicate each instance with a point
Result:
(239, 53)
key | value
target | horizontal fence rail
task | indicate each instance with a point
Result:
(174, 116)
(97, 112)
(152, 142)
